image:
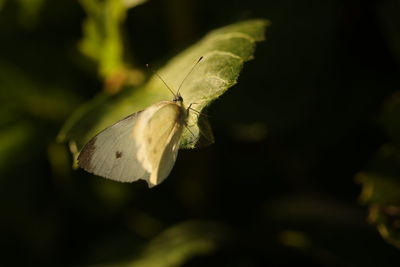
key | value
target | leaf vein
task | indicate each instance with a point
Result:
(216, 77)
(231, 35)
(224, 53)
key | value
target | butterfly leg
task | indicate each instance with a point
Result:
(190, 106)
(187, 128)
(197, 112)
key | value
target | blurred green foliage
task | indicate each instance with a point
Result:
(102, 39)
(381, 181)
(318, 107)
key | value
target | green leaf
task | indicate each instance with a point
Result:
(381, 191)
(13, 140)
(103, 41)
(29, 113)
(381, 180)
(387, 15)
(24, 96)
(382, 194)
(29, 11)
(390, 118)
(2, 2)
(224, 51)
(176, 245)
(387, 221)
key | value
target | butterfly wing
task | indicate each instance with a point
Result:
(158, 133)
(113, 153)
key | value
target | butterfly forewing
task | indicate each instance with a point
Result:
(112, 153)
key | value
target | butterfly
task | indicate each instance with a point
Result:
(144, 145)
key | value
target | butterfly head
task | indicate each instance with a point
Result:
(178, 98)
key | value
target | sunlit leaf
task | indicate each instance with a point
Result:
(224, 51)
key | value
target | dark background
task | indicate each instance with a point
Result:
(302, 121)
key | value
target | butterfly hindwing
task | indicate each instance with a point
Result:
(158, 134)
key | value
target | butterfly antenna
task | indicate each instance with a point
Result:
(155, 73)
(187, 75)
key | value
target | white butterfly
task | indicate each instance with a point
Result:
(144, 145)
